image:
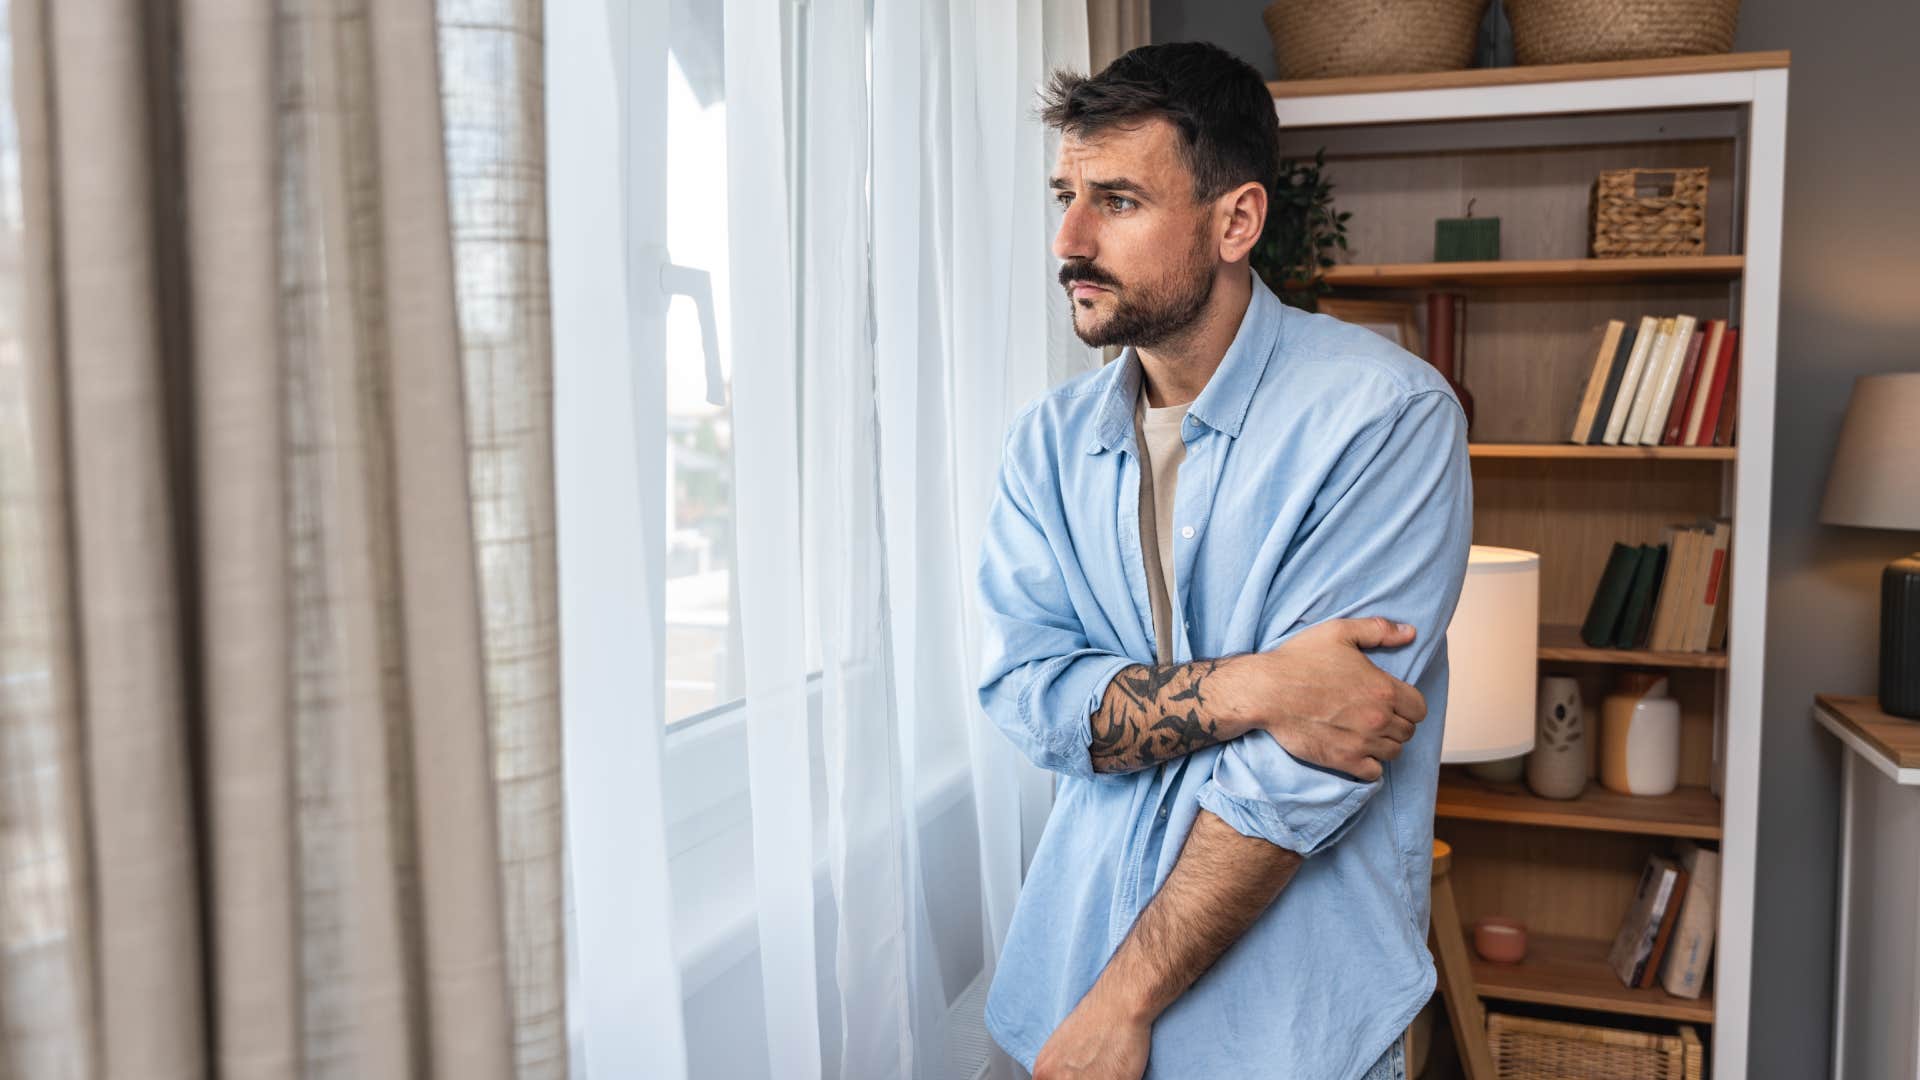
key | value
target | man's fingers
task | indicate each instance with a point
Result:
(1375, 632)
(1409, 702)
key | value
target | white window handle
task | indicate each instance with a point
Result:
(697, 285)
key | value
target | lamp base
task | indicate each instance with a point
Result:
(1900, 638)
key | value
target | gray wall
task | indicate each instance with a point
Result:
(1850, 307)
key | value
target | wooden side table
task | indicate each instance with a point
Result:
(1467, 1015)
(1876, 1011)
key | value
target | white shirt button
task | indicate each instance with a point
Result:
(1187, 531)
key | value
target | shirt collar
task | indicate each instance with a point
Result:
(1222, 404)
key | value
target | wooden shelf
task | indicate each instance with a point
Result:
(1537, 272)
(1563, 643)
(1690, 812)
(1602, 453)
(1573, 972)
(1531, 73)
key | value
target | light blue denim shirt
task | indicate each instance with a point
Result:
(1326, 477)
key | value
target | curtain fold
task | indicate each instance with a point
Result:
(926, 317)
(281, 716)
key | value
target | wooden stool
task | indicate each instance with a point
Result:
(1450, 956)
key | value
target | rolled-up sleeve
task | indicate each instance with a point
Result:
(1041, 680)
(1390, 536)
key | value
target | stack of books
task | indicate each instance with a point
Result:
(1669, 597)
(1667, 933)
(1669, 382)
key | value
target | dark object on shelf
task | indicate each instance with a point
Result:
(1324, 39)
(1650, 212)
(1466, 239)
(1577, 31)
(1447, 344)
(1900, 637)
(1302, 230)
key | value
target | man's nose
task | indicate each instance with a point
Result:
(1074, 240)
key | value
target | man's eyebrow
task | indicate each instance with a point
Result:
(1118, 183)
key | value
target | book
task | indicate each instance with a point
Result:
(1679, 565)
(1650, 375)
(1711, 587)
(1610, 335)
(1643, 627)
(1682, 389)
(1622, 402)
(1707, 375)
(1616, 374)
(1716, 393)
(1684, 971)
(1717, 622)
(1646, 578)
(1730, 403)
(1610, 596)
(1661, 397)
(1648, 923)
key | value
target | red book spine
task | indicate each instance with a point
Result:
(1710, 418)
(1730, 415)
(1683, 389)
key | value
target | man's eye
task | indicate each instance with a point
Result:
(1119, 202)
(1063, 197)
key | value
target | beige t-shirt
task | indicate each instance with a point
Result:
(1157, 432)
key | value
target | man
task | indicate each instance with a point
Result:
(1187, 554)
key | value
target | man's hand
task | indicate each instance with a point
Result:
(1321, 698)
(1096, 1041)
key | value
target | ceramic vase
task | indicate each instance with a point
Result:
(1557, 767)
(1640, 747)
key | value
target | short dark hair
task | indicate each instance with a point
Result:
(1229, 133)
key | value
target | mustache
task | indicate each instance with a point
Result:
(1080, 270)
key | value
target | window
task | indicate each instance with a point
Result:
(704, 666)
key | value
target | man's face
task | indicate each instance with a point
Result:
(1138, 252)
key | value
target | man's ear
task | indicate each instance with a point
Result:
(1246, 215)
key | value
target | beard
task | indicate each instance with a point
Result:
(1143, 316)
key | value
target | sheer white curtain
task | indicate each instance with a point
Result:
(924, 288)
(891, 303)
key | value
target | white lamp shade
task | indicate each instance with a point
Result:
(1874, 481)
(1493, 645)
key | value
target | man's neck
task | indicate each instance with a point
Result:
(1177, 369)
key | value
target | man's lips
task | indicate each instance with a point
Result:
(1082, 288)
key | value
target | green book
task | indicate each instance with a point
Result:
(1610, 598)
(1646, 585)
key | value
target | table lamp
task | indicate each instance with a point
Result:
(1875, 484)
(1493, 647)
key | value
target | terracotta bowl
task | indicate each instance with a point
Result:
(1500, 940)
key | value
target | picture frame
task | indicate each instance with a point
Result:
(1391, 319)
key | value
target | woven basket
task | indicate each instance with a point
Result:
(1528, 1049)
(1323, 39)
(1650, 212)
(1573, 31)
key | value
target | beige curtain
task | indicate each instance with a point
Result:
(1115, 27)
(279, 728)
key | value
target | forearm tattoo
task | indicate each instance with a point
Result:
(1153, 713)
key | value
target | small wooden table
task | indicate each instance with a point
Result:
(1877, 968)
(1448, 941)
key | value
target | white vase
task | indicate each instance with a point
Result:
(1557, 767)
(1640, 751)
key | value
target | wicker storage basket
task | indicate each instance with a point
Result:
(1650, 212)
(1528, 1049)
(1573, 31)
(1323, 39)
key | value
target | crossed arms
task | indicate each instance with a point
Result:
(1307, 723)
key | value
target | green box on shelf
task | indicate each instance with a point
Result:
(1467, 239)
